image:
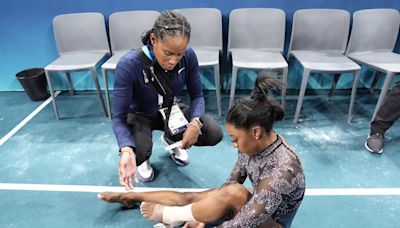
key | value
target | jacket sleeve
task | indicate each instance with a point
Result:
(193, 83)
(122, 96)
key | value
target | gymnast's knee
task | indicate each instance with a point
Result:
(235, 193)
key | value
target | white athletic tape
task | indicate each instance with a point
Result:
(162, 225)
(176, 215)
(173, 145)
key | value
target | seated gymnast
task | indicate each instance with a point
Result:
(274, 169)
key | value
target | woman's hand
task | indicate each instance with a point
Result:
(190, 136)
(127, 169)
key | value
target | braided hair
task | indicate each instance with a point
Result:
(258, 108)
(169, 23)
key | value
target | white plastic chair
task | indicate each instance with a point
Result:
(255, 41)
(126, 29)
(206, 40)
(373, 38)
(318, 41)
(82, 43)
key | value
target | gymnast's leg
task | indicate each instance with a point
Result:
(214, 206)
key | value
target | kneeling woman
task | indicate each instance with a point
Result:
(271, 164)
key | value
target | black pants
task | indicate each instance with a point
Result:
(389, 111)
(142, 127)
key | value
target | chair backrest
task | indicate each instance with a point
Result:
(257, 28)
(374, 30)
(206, 25)
(320, 30)
(78, 32)
(126, 28)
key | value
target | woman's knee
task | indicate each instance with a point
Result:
(212, 132)
(217, 136)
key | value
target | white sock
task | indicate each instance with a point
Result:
(177, 215)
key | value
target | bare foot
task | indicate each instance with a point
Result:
(152, 211)
(116, 197)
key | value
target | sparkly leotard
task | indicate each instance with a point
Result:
(278, 181)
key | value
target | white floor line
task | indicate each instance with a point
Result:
(83, 188)
(91, 188)
(27, 119)
(353, 192)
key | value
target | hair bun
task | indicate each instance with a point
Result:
(263, 85)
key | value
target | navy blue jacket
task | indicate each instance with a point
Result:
(132, 94)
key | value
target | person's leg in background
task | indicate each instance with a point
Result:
(386, 116)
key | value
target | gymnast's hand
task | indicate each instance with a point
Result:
(127, 169)
(194, 224)
(190, 137)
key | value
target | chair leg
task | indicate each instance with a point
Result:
(285, 83)
(353, 95)
(105, 80)
(383, 93)
(375, 81)
(217, 79)
(53, 97)
(233, 85)
(303, 87)
(96, 82)
(69, 81)
(336, 78)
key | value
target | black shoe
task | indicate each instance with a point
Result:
(374, 143)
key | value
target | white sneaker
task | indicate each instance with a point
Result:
(145, 172)
(178, 155)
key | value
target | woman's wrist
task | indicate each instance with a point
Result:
(197, 124)
(126, 149)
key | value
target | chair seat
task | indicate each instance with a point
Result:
(383, 61)
(325, 61)
(258, 59)
(207, 56)
(112, 62)
(75, 61)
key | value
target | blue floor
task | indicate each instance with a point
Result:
(80, 149)
(14, 107)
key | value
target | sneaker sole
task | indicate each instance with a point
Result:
(178, 161)
(372, 151)
(142, 179)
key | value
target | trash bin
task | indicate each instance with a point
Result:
(34, 82)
